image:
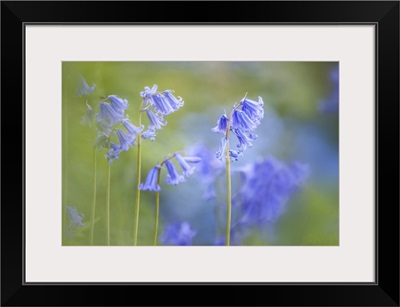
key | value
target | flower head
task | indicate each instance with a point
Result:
(158, 104)
(244, 118)
(151, 180)
(178, 234)
(267, 187)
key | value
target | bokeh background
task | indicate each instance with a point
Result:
(300, 124)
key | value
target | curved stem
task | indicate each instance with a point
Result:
(157, 210)
(138, 178)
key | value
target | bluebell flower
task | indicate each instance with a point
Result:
(109, 116)
(173, 177)
(267, 188)
(240, 120)
(148, 92)
(83, 88)
(221, 153)
(89, 116)
(156, 121)
(222, 124)
(124, 141)
(151, 180)
(245, 141)
(163, 102)
(175, 103)
(245, 117)
(118, 103)
(253, 108)
(161, 105)
(132, 130)
(150, 133)
(178, 234)
(184, 163)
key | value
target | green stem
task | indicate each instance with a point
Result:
(138, 178)
(108, 195)
(157, 210)
(94, 195)
(228, 195)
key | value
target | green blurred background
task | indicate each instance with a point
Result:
(295, 128)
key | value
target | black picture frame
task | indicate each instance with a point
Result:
(384, 15)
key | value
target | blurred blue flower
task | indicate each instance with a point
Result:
(108, 116)
(83, 88)
(178, 234)
(267, 187)
(208, 169)
(151, 180)
(331, 103)
(75, 220)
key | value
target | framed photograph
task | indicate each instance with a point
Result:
(256, 149)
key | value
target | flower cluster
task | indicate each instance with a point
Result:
(157, 105)
(173, 176)
(111, 121)
(178, 234)
(244, 118)
(267, 187)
